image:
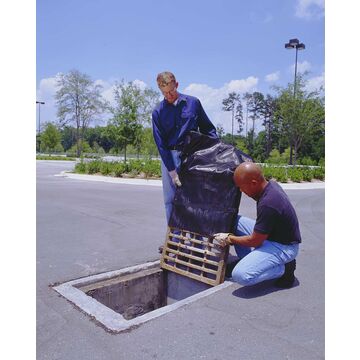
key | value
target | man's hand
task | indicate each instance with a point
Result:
(222, 239)
(175, 178)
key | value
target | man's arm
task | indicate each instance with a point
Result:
(254, 240)
(160, 143)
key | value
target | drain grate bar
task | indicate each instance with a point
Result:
(194, 255)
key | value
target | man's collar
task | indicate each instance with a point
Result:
(180, 98)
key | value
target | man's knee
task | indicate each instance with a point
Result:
(243, 277)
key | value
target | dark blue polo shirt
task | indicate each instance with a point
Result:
(172, 123)
(276, 216)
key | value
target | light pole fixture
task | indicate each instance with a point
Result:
(295, 44)
(40, 103)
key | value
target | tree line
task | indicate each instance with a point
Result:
(293, 122)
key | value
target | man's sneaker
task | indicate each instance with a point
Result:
(287, 280)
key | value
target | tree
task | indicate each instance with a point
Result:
(50, 138)
(68, 137)
(220, 130)
(233, 103)
(131, 112)
(246, 98)
(301, 116)
(268, 111)
(79, 102)
(149, 147)
(254, 106)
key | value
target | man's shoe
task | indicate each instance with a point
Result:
(161, 248)
(230, 267)
(287, 280)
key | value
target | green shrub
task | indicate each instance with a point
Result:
(307, 174)
(285, 156)
(321, 162)
(105, 168)
(306, 160)
(152, 168)
(319, 173)
(94, 166)
(81, 167)
(119, 168)
(295, 174)
(277, 173)
(51, 157)
(274, 157)
(136, 166)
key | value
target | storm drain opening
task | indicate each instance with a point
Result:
(136, 294)
(122, 299)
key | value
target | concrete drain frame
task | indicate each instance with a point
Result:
(124, 299)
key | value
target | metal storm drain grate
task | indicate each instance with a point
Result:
(194, 255)
(120, 300)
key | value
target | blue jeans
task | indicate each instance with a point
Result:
(262, 263)
(168, 186)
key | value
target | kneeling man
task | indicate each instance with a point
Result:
(267, 246)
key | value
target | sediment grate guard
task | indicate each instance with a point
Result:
(194, 255)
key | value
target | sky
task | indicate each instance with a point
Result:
(213, 47)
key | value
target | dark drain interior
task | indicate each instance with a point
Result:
(138, 293)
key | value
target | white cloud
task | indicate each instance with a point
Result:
(301, 67)
(316, 82)
(272, 77)
(140, 84)
(309, 9)
(211, 98)
(47, 90)
(46, 93)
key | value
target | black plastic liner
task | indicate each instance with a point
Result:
(208, 200)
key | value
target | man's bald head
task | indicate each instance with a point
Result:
(250, 179)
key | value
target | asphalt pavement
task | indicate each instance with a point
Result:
(89, 227)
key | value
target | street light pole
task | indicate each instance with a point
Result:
(40, 103)
(294, 44)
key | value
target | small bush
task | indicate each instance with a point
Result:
(321, 162)
(307, 174)
(277, 173)
(152, 169)
(136, 166)
(295, 174)
(274, 157)
(94, 167)
(81, 168)
(319, 173)
(119, 168)
(307, 161)
(105, 168)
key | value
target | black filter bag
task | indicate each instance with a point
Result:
(208, 200)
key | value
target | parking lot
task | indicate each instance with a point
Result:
(86, 227)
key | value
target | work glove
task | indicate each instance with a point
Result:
(175, 178)
(222, 239)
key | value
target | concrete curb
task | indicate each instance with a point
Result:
(108, 179)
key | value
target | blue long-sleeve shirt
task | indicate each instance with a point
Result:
(172, 123)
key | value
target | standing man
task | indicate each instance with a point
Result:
(268, 246)
(172, 120)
